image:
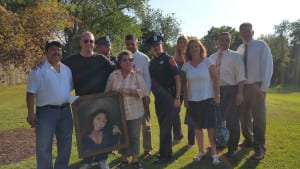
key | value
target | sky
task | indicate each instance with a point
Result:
(196, 17)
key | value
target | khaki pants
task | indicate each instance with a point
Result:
(253, 115)
(146, 129)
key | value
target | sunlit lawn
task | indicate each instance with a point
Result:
(282, 140)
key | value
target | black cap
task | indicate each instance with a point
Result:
(155, 40)
(105, 40)
(52, 42)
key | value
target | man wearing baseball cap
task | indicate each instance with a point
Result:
(50, 85)
(103, 46)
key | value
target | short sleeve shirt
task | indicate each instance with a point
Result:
(90, 74)
(200, 85)
(162, 73)
(49, 86)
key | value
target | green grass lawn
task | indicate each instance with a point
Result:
(282, 138)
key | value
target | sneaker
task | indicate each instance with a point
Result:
(215, 159)
(84, 166)
(103, 164)
(199, 156)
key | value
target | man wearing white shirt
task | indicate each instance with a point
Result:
(258, 70)
(141, 61)
(231, 74)
(50, 85)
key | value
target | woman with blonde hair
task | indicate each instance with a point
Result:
(201, 93)
(180, 59)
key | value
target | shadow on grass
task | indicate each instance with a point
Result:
(250, 164)
(112, 163)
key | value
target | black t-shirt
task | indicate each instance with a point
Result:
(90, 74)
(162, 70)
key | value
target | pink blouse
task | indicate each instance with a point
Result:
(133, 106)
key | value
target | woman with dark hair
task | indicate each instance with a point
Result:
(100, 133)
(201, 93)
(131, 85)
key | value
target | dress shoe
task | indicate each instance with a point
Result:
(245, 144)
(159, 161)
(259, 153)
(230, 154)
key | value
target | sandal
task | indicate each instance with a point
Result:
(137, 165)
(199, 156)
(122, 165)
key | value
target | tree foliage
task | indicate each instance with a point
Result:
(114, 18)
(210, 40)
(24, 33)
(286, 53)
(155, 22)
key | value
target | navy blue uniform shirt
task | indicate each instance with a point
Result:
(163, 70)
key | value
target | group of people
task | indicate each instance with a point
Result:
(234, 80)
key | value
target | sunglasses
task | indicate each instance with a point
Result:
(88, 41)
(127, 59)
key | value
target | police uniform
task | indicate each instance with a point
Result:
(163, 70)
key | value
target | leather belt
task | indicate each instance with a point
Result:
(62, 106)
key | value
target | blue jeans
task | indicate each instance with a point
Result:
(96, 158)
(49, 122)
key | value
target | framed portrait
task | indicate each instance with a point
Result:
(100, 123)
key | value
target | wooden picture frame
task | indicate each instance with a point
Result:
(86, 115)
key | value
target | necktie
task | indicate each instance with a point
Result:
(245, 59)
(218, 64)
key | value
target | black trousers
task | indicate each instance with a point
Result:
(166, 113)
(230, 113)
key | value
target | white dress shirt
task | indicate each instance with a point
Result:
(259, 63)
(49, 86)
(141, 61)
(232, 69)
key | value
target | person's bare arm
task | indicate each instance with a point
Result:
(31, 118)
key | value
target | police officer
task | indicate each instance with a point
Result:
(103, 46)
(166, 87)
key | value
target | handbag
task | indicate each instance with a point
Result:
(221, 132)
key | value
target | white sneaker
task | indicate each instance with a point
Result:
(215, 159)
(103, 164)
(84, 166)
(199, 156)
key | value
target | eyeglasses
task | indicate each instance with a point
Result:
(127, 59)
(88, 41)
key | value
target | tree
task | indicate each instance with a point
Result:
(102, 17)
(23, 34)
(295, 50)
(209, 40)
(154, 22)
(280, 51)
